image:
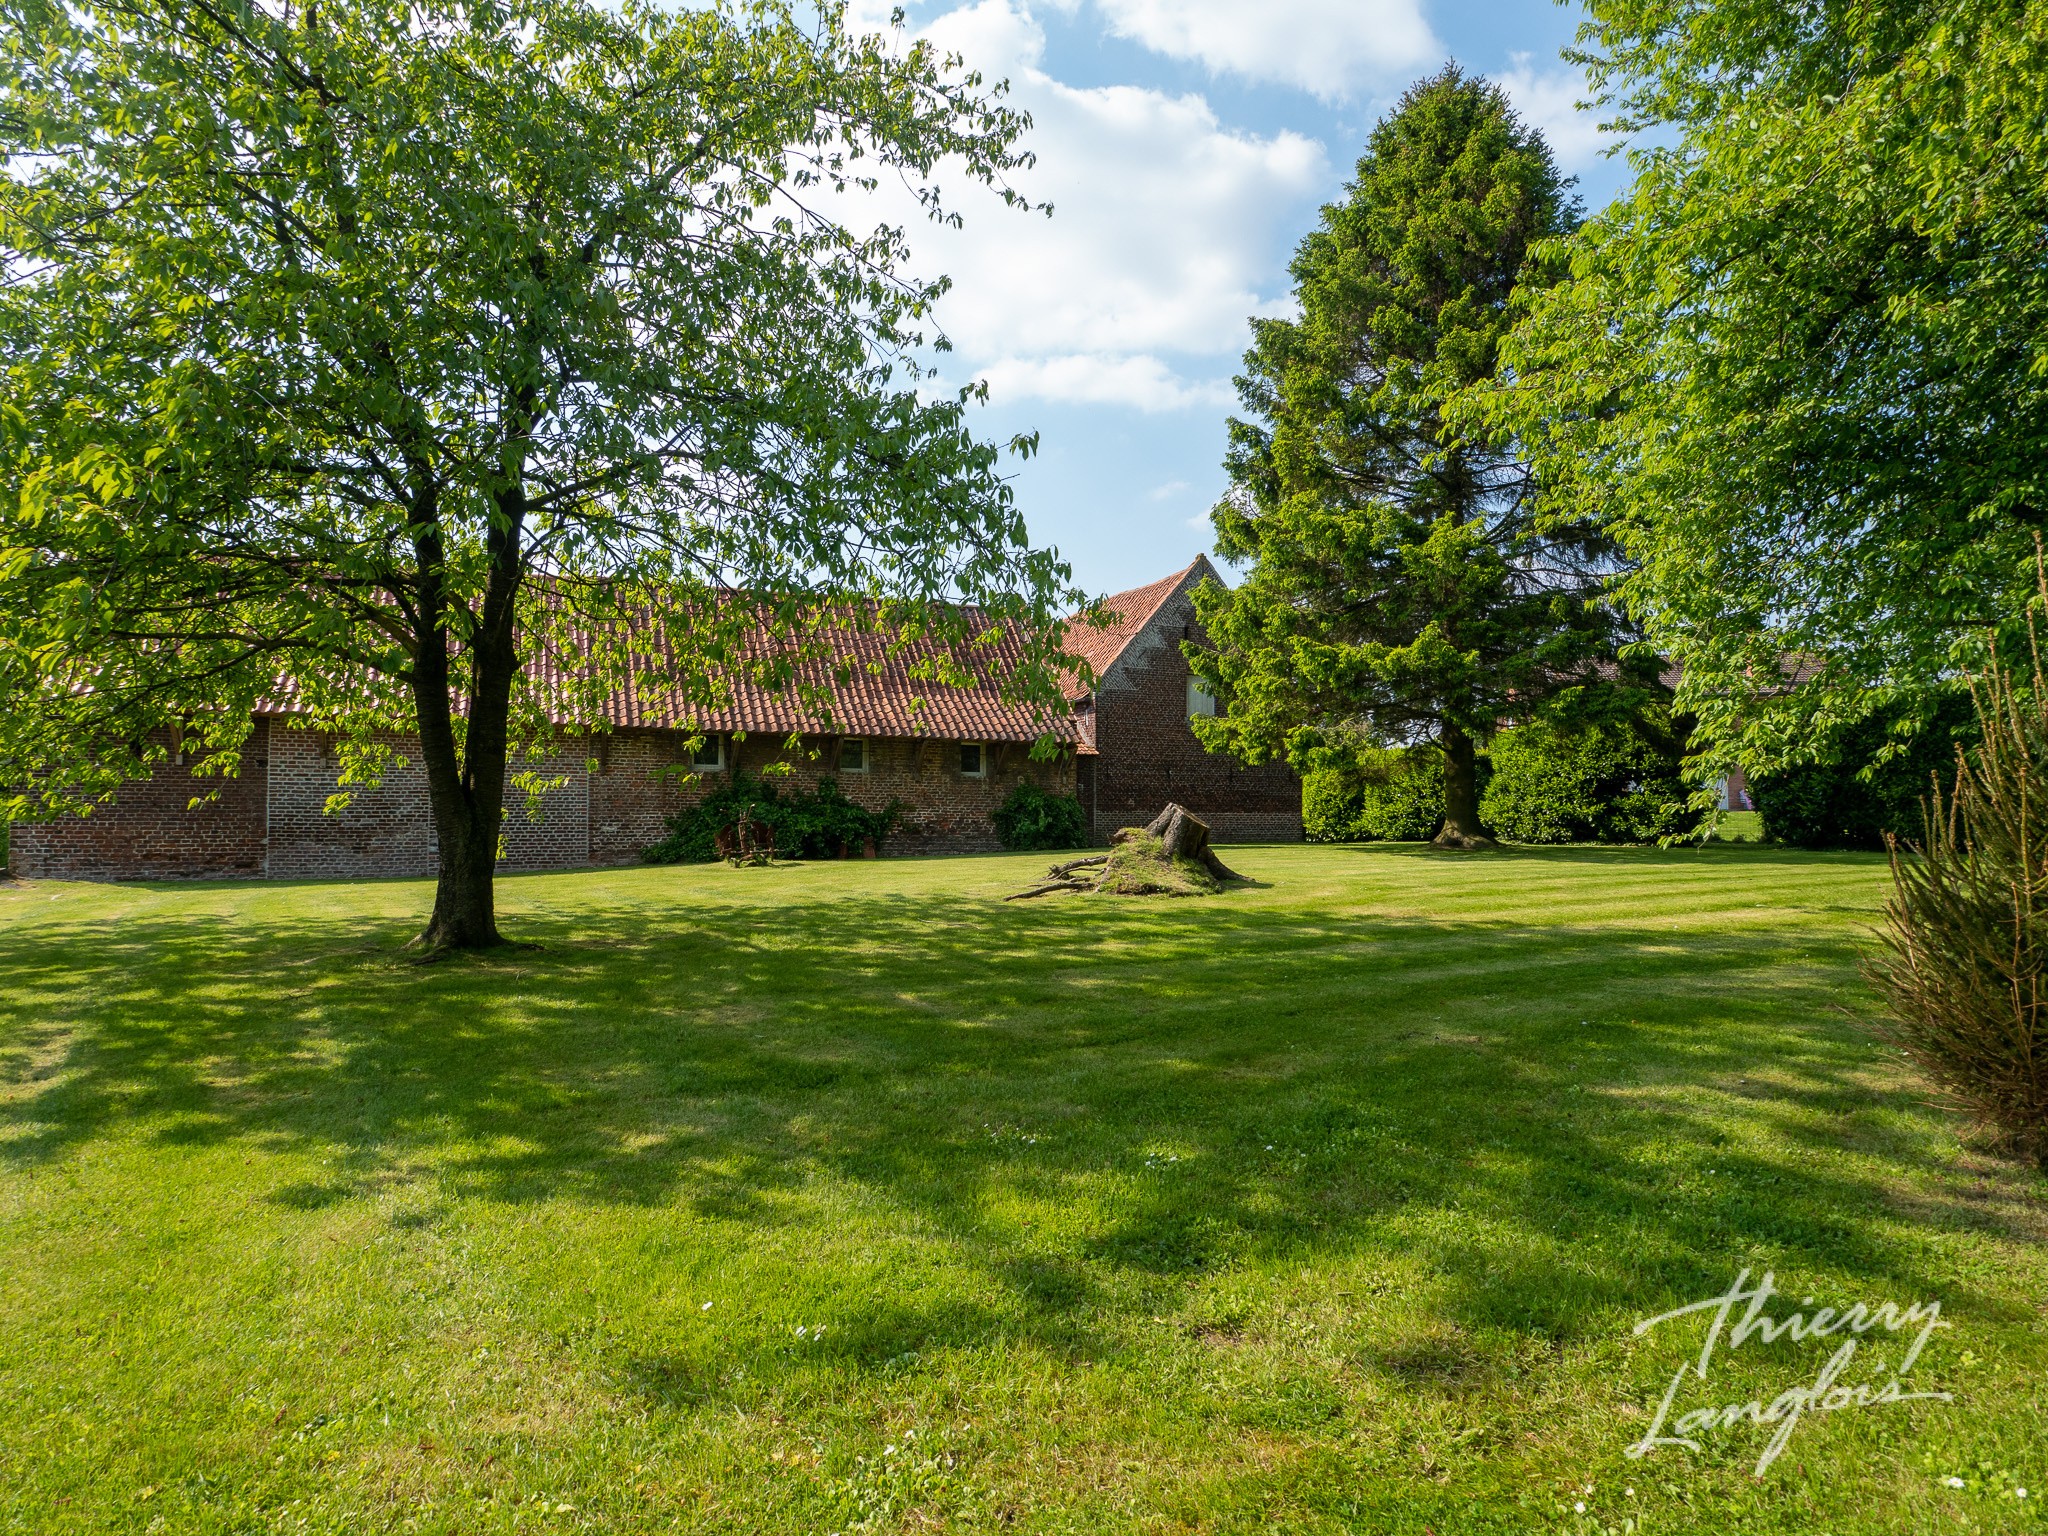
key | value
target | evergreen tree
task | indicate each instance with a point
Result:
(1400, 583)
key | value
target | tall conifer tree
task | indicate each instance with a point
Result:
(1399, 582)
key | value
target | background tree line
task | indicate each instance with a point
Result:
(1775, 418)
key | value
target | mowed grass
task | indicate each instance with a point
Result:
(849, 1198)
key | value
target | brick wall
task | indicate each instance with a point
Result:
(1149, 754)
(631, 798)
(389, 831)
(273, 821)
(151, 831)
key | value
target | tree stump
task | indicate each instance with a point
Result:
(1183, 836)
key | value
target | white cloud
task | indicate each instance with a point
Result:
(1093, 379)
(1330, 47)
(1168, 230)
(1548, 101)
(1166, 492)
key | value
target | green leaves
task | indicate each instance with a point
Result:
(1798, 373)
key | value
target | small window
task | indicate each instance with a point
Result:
(1200, 702)
(710, 755)
(971, 760)
(853, 755)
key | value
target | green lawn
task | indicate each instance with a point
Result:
(848, 1198)
(1740, 827)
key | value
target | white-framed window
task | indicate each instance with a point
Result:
(853, 754)
(1200, 701)
(709, 756)
(973, 760)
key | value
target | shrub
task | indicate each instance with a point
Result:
(817, 824)
(1385, 795)
(1615, 782)
(1965, 967)
(1329, 805)
(1030, 818)
(1851, 799)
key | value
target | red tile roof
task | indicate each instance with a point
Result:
(878, 695)
(1100, 645)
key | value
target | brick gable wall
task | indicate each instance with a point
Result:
(1149, 754)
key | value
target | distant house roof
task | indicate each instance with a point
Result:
(879, 696)
(1100, 645)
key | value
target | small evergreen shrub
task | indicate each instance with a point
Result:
(1615, 782)
(1386, 795)
(815, 824)
(1849, 799)
(1029, 818)
(1965, 967)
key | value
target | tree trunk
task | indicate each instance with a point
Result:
(1461, 829)
(466, 780)
(467, 820)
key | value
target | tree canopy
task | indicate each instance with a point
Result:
(360, 353)
(1399, 583)
(1801, 369)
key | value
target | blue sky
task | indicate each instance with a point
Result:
(1186, 146)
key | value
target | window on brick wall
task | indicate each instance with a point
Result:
(973, 760)
(853, 755)
(709, 756)
(1199, 701)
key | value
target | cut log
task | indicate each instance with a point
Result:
(1184, 836)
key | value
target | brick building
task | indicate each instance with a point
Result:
(1145, 754)
(1125, 749)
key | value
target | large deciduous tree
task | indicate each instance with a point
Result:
(362, 353)
(1801, 370)
(1399, 584)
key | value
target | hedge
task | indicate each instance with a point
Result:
(1389, 795)
(1607, 783)
(1850, 799)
